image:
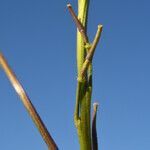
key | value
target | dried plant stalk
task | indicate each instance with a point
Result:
(28, 105)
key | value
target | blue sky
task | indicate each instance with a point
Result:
(38, 39)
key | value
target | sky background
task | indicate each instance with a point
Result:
(38, 38)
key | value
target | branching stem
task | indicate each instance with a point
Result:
(85, 52)
(78, 23)
(90, 53)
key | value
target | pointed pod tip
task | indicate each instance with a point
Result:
(100, 26)
(68, 5)
(95, 106)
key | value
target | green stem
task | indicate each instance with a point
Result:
(85, 52)
(82, 16)
(84, 91)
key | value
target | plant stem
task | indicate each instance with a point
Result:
(80, 27)
(85, 52)
(28, 105)
(90, 53)
(83, 128)
(82, 17)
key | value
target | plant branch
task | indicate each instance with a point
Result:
(28, 105)
(78, 23)
(90, 54)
